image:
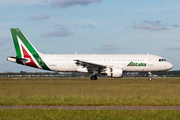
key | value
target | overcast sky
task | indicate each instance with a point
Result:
(92, 26)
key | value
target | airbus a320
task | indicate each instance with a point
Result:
(113, 65)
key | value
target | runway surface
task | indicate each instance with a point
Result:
(95, 107)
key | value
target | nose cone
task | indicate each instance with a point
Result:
(169, 66)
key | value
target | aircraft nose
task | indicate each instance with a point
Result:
(169, 66)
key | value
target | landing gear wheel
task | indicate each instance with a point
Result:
(150, 78)
(94, 77)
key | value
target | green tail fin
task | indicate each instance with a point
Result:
(19, 37)
(24, 48)
(17, 33)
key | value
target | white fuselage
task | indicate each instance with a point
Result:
(129, 62)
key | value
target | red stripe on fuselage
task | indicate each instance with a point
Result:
(26, 55)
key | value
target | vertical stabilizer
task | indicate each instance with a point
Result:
(25, 50)
(21, 41)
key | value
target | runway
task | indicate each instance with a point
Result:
(95, 107)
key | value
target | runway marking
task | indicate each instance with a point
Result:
(95, 107)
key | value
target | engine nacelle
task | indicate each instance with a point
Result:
(114, 72)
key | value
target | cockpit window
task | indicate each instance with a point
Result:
(162, 60)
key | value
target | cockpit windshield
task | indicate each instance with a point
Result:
(162, 60)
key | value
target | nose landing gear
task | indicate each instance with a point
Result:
(149, 76)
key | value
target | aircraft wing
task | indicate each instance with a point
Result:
(90, 66)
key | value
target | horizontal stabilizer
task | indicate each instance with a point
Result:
(18, 60)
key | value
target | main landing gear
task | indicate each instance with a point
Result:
(93, 77)
(150, 76)
(95, 72)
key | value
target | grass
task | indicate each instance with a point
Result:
(39, 114)
(83, 91)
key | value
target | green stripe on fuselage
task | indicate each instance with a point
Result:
(16, 32)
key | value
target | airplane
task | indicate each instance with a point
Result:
(113, 65)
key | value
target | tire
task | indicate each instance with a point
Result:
(94, 77)
(150, 78)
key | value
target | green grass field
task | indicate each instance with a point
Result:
(83, 91)
(37, 114)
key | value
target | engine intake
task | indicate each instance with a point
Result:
(114, 72)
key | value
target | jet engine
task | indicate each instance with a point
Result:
(114, 72)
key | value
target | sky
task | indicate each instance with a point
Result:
(92, 27)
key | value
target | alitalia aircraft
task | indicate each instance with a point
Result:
(113, 65)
